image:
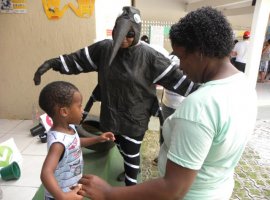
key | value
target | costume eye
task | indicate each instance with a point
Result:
(130, 34)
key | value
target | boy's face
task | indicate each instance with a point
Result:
(75, 110)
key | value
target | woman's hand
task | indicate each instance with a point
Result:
(94, 187)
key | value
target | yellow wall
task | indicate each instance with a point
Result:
(26, 41)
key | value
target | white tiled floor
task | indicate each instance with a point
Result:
(33, 151)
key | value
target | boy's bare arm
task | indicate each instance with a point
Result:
(48, 169)
(107, 136)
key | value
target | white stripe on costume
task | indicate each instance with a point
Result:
(127, 155)
(64, 63)
(89, 58)
(132, 166)
(131, 179)
(180, 82)
(189, 88)
(78, 66)
(131, 139)
(164, 73)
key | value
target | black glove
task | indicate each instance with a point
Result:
(41, 70)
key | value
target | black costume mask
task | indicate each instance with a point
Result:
(130, 19)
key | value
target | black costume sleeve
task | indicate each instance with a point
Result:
(80, 61)
(169, 75)
(174, 80)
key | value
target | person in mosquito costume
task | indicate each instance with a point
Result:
(128, 71)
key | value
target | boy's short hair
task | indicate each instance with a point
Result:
(57, 93)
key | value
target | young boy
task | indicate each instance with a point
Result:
(63, 165)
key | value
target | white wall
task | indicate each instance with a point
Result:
(106, 13)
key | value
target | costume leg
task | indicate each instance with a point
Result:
(240, 66)
(166, 111)
(129, 148)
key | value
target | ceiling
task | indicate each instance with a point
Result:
(228, 7)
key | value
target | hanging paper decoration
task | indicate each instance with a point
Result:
(85, 8)
(52, 10)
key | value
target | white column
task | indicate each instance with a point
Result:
(258, 30)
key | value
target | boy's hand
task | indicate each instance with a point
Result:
(74, 193)
(107, 136)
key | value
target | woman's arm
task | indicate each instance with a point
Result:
(173, 186)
